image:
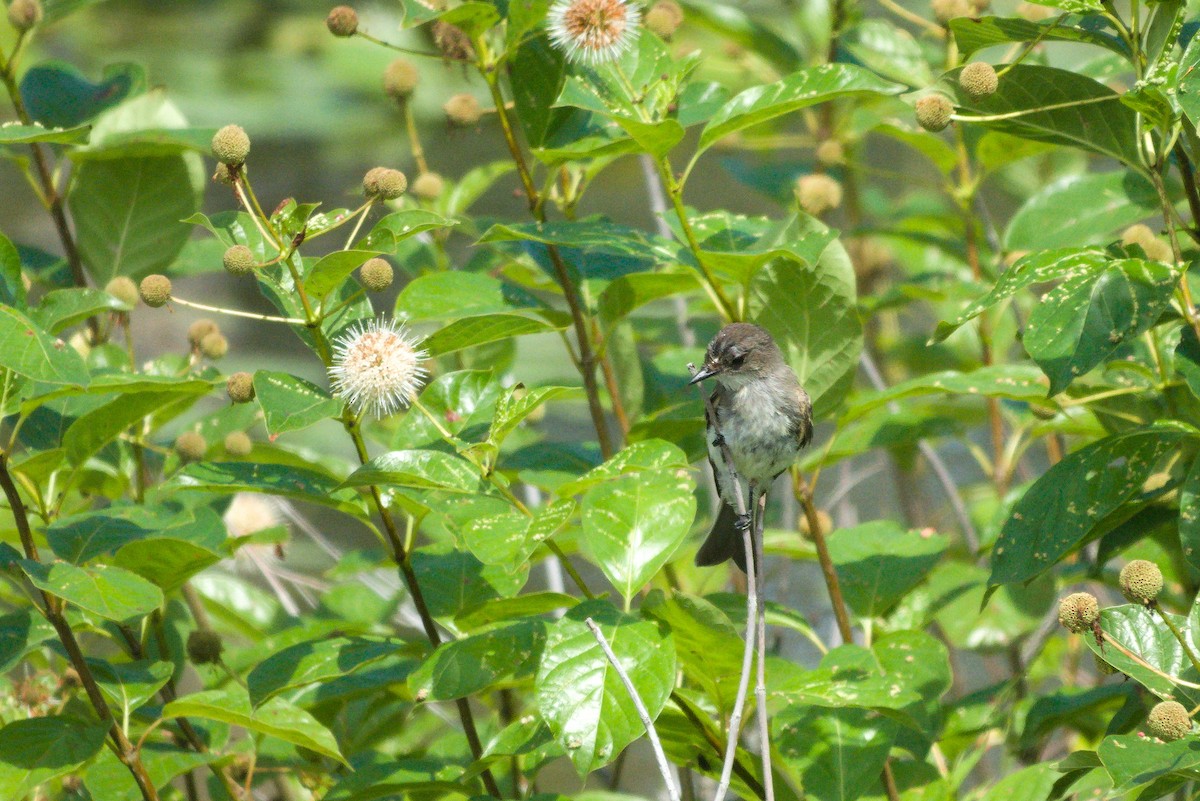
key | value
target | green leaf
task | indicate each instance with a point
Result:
(17, 134)
(888, 50)
(803, 88)
(976, 33)
(1019, 382)
(92, 431)
(333, 269)
(1136, 629)
(1087, 316)
(81, 538)
(1135, 759)
(462, 668)
(63, 308)
(290, 403)
(129, 685)
(536, 72)
(1057, 106)
(811, 311)
(517, 405)
(707, 645)
(1037, 268)
(12, 284)
(30, 352)
(398, 226)
(606, 249)
(1060, 510)
(648, 455)
(455, 581)
(879, 562)
(1033, 783)
(110, 592)
(1189, 515)
(276, 718)
(273, 479)
(1083, 209)
(498, 610)
(109, 779)
(396, 778)
(36, 750)
(129, 214)
(633, 525)
(56, 93)
(314, 661)
(418, 469)
(472, 331)
(20, 632)
(631, 291)
(462, 403)
(510, 538)
(838, 753)
(455, 294)
(581, 697)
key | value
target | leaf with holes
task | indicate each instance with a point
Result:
(510, 538)
(1136, 629)
(290, 403)
(472, 664)
(838, 753)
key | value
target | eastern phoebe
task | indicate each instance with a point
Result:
(764, 417)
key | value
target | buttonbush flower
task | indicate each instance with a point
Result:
(593, 31)
(377, 366)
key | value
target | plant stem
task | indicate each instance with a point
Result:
(804, 495)
(759, 502)
(54, 613)
(675, 192)
(738, 768)
(587, 357)
(266, 318)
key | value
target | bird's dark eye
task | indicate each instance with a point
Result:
(737, 360)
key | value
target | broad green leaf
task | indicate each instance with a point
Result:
(107, 778)
(811, 311)
(633, 525)
(35, 750)
(629, 292)
(1089, 314)
(461, 402)
(1033, 783)
(272, 479)
(1186, 81)
(12, 283)
(333, 269)
(803, 88)
(397, 778)
(888, 50)
(1019, 382)
(92, 431)
(20, 632)
(454, 581)
(1189, 515)
(418, 469)
(1133, 760)
(536, 70)
(17, 134)
(972, 33)
(129, 685)
(848, 676)
(1036, 268)
(57, 95)
(276, 718)
(1060, 510)
(510, 538)
(838, 753)
(128, 214)
(1083, 209)
(82, 537)
(498, 610)
(314, 661)
(1139, 631)
(481, 330)
(290, 403)
(462, 668)
(1057, 106)
(398, 226)
(959, 603)
(878, 562)
(111, 592)
(455, 294)
(653, 455)
(518, 404)
(707, 645)
(31, 352)
(63, 308)
(616, 249)
(581, 697)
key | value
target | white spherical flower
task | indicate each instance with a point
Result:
(377, 366)
(593, 31)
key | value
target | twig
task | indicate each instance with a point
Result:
(760, 685)
(664, 767)
(752, 617)
(266, 318)
(658, 205)
(804, 494)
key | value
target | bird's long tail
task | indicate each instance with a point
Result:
(724, 542)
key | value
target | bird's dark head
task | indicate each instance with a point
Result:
(739, 352)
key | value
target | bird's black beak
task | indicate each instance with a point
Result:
(707, 371)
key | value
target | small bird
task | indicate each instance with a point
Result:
(763, 416)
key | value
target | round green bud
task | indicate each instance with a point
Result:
(204, 647)
(664, 18)
(239, 260)
(239, 444)
(231, 146)
(155, 290)
(830, 152)
(1141, 581)
(214, 345)
(198, 330)
(342, 21)
(463, 109)
(123, 289)
(978, 79)
(385, 183)
(240, 387)
(376, 275)
(1078, 612)
(1168, 720)
(817, 193)
(24, 14)
(400, 79)
(933, 112)
(946, 10)
(428, 186)
(190, 446)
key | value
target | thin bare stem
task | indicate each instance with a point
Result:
(266, 318)
(804, 495)
(760, 684)
(660, 757)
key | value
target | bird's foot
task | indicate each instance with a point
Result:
(742, 523)
(718, 441)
